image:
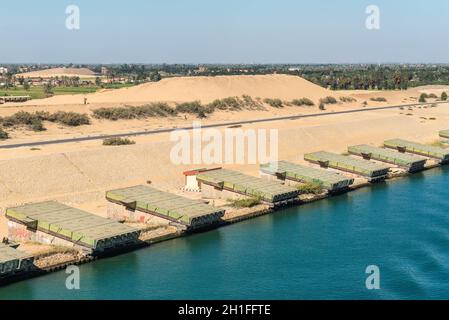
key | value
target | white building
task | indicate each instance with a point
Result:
(3, 70)
(191, 184)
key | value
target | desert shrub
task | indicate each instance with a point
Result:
(160, 109)
(322, 106)
(37, 125)
(3, 134)
(444, 96)
(117, 142)
(297, 102)
(194, 108)
(230, 103)
(379, 99)
(19, 118)
(130, 112)
(252, 104)
(310, 188)
(302, 102)
(423, 98)
(432, 96)
(114, 113)
(245, 203)
(347, 99)
(328, 100)
(71, 119)
(308, 102)
(35, 120)
(275, 103)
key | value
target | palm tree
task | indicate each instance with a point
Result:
(48, 89)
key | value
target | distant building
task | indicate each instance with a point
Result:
(104, 71)
(201, 69)
(3, 70)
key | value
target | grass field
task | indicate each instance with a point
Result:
(117, 85)
(38, 92)
(34, 92)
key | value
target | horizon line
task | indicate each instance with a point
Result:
(226, 63)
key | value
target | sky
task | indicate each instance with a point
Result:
(224, 31)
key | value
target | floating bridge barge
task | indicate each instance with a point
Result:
(13, 262)
(418, 148)
(287, 171)
(55, 223)
(372, 171)
(149, 205)
(444, 134)
(411, 162)
(228, 184)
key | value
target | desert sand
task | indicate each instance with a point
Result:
(59, 72)
(82, 172)
(204, 89)
(78, 174)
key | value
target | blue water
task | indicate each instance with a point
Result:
(316, 251)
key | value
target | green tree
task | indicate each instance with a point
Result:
(155, 76)
(9, 81)
(444, 96)
(26, 85)
(48, 89)
(97, 81)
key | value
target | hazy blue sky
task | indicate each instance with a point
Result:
(224, 31)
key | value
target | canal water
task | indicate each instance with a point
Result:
(316, 251)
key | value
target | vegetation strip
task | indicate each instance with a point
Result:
(217, 125)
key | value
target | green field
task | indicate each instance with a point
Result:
(34, 92)
(38, 92)
(117, 85)
(74, 90)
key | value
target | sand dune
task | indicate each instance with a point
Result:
(59, 72)
(205, 89)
